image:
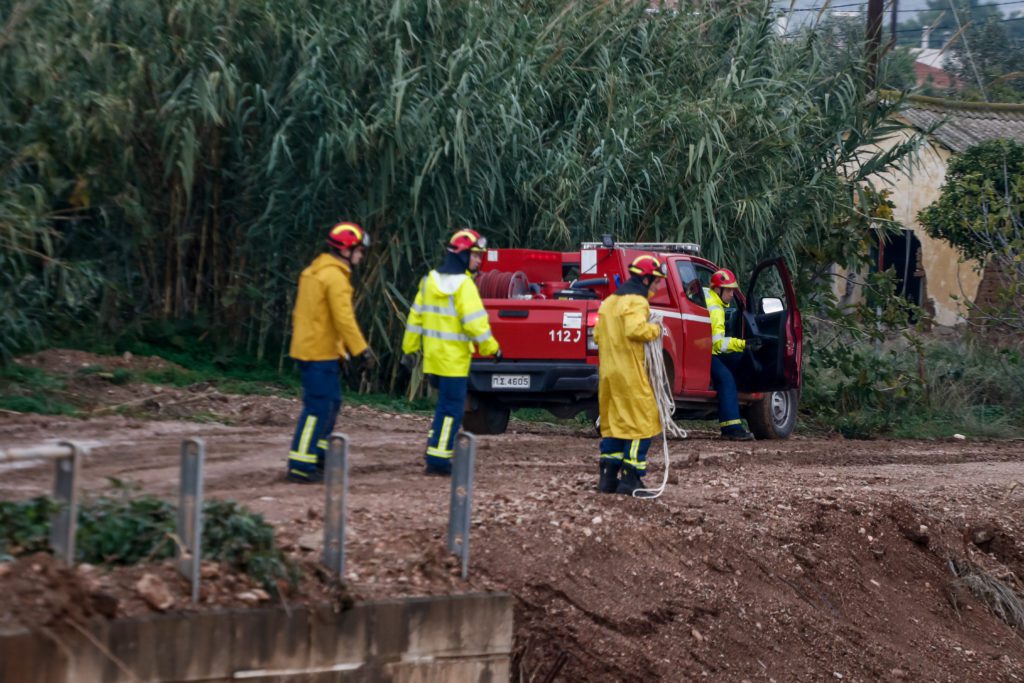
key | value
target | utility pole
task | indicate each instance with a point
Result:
(874, 40)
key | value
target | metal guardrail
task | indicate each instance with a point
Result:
(67, 459)
(461, 506)
(190, 512)
(336, 498)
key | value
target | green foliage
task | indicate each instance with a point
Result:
(908, 388)
(982, 196)
(25, 527)
(125, 529)
(979, 212)
(243, 540)
(174, 164)
(31, 390)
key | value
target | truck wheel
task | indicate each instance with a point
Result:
(486, 419)
(774, 416)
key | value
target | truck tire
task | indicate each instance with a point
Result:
(487, 418)
(774, 416)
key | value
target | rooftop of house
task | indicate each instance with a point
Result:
(965, 124)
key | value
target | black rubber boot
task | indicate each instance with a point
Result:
(609, 481)
(737, 434)
(630, 481)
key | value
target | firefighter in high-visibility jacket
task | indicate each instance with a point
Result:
(726, 355)
(324, 332)
(446, 321)
(629, 412)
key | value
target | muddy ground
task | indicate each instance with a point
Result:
(803, 560)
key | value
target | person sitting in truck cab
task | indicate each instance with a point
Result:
(726, 355)
(629, 412)
(446, 320)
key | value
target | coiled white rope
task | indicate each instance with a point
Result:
(661, 385)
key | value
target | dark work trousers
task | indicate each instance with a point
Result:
(628, 452)
(723, 366)
(451, 403)
(321, 401)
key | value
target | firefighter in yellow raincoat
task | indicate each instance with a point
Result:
(324, 331)
(629, 412)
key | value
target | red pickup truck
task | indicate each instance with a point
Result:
(543, 305)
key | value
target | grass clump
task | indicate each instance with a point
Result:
(31, 390)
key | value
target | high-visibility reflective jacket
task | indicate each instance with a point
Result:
(719, 342)
(625, 397)
(446, 320)
(324, 325)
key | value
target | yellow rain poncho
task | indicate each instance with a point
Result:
(628, 408)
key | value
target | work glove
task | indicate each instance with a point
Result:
(368, 358)
(498, 355)
(755, 343)
(409, 361)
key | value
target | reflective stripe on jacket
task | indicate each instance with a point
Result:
(324, 325)
(626, 401)
(719, 342)
(446, 320)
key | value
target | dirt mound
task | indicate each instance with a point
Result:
(68, 361)
(42, 592)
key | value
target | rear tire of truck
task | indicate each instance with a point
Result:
(487, 418)
(774, 416)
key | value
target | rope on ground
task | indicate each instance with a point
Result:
(661, 384)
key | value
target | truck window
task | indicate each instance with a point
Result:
(695, 278)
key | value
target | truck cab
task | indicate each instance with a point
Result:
(543, 306)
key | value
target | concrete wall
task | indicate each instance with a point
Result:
(945, 276)
(418, 640)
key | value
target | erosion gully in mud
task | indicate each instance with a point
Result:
(804, 559)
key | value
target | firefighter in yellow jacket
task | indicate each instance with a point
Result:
(629, 412)
(324, 331)
(726, 355)
(447, 321)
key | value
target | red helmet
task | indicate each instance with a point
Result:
(467, 239)
(725, 279)
(648, 265)
(347, 236)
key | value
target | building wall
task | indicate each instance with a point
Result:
(945, 276)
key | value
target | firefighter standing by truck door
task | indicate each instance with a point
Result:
(629, 412)
(446, 320)
(726, 355)
(324, 332)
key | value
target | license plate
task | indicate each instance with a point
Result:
(510, 381)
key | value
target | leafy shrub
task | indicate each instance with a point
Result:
(124, 529)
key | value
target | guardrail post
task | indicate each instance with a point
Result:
(461, 507)
(65, 491)
(336, 492)
(190, 512)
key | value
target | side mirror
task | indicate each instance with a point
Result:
(771, 305)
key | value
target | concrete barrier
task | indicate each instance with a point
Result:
(414, 640)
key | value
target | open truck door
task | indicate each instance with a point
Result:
(770, 313)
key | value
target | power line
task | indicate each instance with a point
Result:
(898, 11)
(922, 28)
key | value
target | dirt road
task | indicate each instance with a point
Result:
(802, 560)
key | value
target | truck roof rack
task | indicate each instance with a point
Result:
(664, 247)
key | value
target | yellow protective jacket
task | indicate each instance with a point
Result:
(446, 320)
(628, 408)
(719, 342)
(324, 325)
